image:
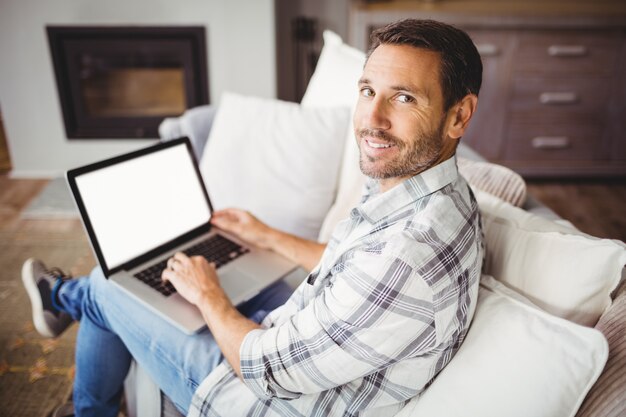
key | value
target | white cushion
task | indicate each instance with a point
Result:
(336, 76)
(563, 271)
(517, 361)
(349, 191)
(335, 82)
(276, 159)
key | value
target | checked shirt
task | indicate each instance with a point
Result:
(384, 311)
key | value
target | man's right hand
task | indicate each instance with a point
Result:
(244, 226)
(251, 230)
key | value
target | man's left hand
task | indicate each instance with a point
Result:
(194, 278)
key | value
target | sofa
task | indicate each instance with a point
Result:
(548, 337)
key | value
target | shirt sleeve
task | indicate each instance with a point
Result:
(373, 311)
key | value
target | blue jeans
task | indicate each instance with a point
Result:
(114, 328)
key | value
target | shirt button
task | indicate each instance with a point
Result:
(354, 214)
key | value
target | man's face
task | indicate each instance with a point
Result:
(399, 119)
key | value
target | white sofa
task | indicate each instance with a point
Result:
(551, 305)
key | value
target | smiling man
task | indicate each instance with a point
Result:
(405, 121)
(388, 301)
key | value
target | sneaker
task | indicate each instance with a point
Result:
(39, 282)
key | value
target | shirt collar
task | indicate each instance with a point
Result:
(379, 205)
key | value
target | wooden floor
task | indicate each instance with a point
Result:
(595, 207)
(35, 373)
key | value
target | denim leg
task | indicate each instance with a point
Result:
(72, 295)
(115, 328)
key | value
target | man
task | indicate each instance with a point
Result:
(388, 301)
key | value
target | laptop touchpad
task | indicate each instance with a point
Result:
(237, 283)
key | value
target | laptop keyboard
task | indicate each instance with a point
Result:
(216, 249)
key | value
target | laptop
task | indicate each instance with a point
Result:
(142, 207)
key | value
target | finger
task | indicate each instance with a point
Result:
(170, 263)
(181, 257)
(229, 211)
(174, 264)
(167, 275)
(222, 216)
(229, 223)
(198, 258)
(216, 221)
(219, 216)
(231, 215)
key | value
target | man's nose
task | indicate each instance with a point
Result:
(376, 115)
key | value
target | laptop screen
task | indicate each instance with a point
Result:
(139, 204)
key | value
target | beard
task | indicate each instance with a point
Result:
(413, 157)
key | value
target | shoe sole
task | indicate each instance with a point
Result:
(35, 299)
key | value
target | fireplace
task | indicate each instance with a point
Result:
(120, 82)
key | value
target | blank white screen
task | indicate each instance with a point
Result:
(140, 204)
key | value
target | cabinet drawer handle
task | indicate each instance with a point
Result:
(567, 50)
(558, 98)
(487, 49)
(551, 142)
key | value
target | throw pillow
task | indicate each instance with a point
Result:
(335, 82)
(195, 123)
(606, 398)
(276, 159)
(563, 271)
(336, 76)
(494, 179)
(516, 361)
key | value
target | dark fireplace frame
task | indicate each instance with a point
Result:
(66, 41)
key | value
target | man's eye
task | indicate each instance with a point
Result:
(367, 92)
(403, 98)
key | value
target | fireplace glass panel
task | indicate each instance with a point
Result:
(132, 92)
(120, 82)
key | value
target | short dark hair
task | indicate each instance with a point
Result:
(461, 67)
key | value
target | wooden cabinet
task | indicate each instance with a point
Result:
(560, 90)
(553, 100)
(617, 112)
(487, 131)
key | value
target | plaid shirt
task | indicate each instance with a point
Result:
(384, 311)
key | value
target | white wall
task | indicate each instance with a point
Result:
(241, 55)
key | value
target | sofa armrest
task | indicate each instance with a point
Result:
(194, 123)
(143, 397)
(606, 398)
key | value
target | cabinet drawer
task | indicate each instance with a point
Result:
(555, 117)
(554, 142)
(492, 43)
(560, 95)
(565, 52)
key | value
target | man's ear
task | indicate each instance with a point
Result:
(460, 114)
